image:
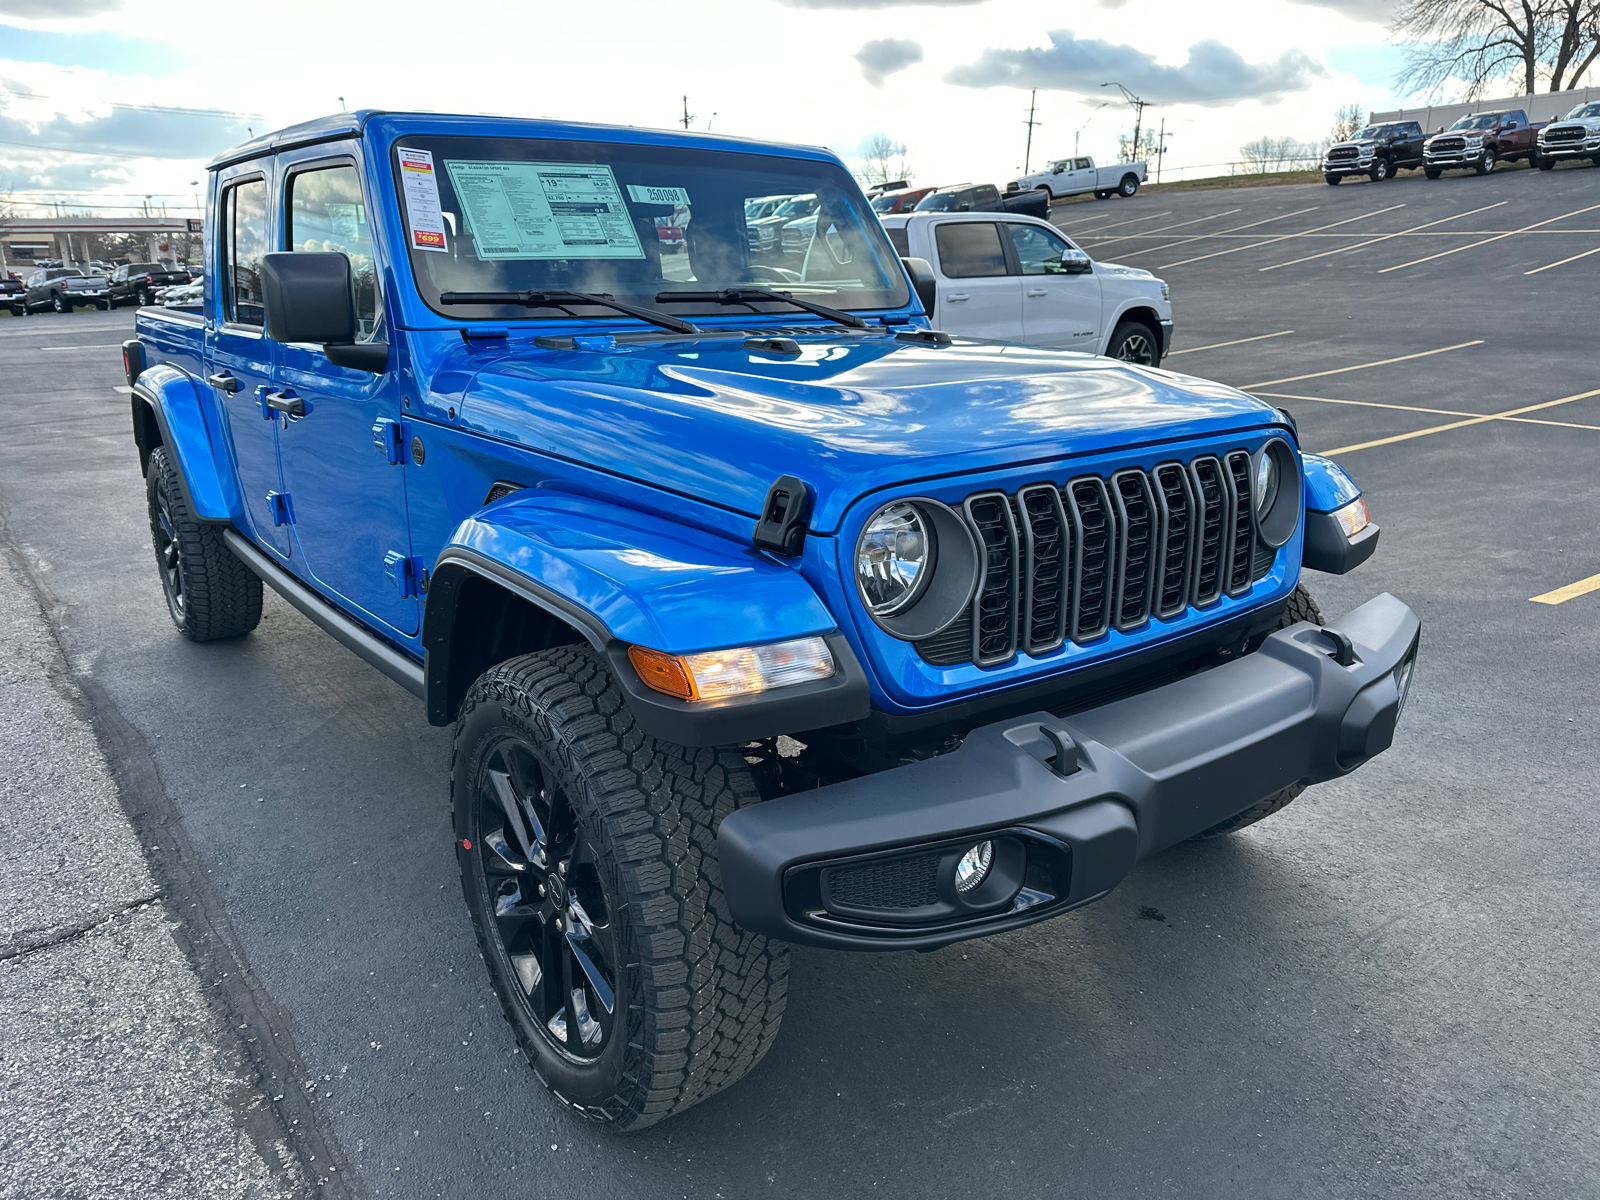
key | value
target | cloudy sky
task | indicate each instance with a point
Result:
(105, 101)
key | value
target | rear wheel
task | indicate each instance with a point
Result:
(1134, 343)
(145, 297)
(58, 304)
(210, 593)
(1302, 607)
(1128, 186)
(588, 861)
(1103, 195)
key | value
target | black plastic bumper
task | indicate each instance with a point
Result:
(1068, 804)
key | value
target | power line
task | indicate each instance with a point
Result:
(151, 108)
(97, 153)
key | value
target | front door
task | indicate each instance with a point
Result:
(978, 295)
(1057, 309)
(343, 460)
(240, 356)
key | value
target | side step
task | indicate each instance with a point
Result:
(404, 670)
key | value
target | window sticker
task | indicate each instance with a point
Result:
(421, 189)
(643, 194)
(540, 210)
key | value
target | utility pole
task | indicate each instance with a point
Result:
(686, 117)
(1138, 104)
(1161, 148)
(1027, 155)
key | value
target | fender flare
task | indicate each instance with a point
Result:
(171, 398)
(622, 577)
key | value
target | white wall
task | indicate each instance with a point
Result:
(1540, 106)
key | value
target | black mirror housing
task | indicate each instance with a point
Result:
(924, 281)
(308, 297)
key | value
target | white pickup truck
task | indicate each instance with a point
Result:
(1076, 176)
(1011, 278)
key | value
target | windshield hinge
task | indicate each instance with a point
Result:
(390, 439)
(281, 507)
(409, 575)
(782, 528)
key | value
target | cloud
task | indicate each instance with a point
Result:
(1214, 73)
(882, 57)
(865, 4)
(96, 49)
(1380, 12)
(57, 9)
(152, 133)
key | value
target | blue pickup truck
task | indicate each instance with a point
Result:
(763, 613)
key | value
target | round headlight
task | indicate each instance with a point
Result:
(894, 559)
(1266, 484)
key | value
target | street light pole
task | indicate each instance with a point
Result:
(1138, 104)
(1085, 125)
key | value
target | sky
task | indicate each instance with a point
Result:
(105, 102)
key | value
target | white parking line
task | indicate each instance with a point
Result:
(1283, 237)
(1499, 416)
(1563, 262)
(1384, 238)
(1184, 241)
(1438, 412)
(1131, 221)
(1472, 245)
(101, 346)
(1260, 337)
(1382, 362)
(1164, 229)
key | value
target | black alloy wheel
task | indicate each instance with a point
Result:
(169, 554)
(1134, 343)
(551, 919)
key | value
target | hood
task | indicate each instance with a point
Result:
(716, 421)
(1119, 271)
(1364, 143)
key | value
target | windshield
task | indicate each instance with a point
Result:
(885, 204)
(1584, 110)
(630, 221)
(937, 202)
(1481, 121)
(1372, 132)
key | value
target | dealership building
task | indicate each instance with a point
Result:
(26, 240)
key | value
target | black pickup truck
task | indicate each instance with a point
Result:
(985, 197)
(136, 283)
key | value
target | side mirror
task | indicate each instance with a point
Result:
(963, 206)
(1058, 170)
(310, 297)
(923, 281)
(1075, 262)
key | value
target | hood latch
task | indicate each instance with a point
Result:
(784, 517)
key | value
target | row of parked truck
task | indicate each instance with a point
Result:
(64, 288)
(1478, 142)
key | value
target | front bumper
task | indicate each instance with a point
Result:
(1570, 150)
(1453, 160)
(1349, 166)
(1069, 804)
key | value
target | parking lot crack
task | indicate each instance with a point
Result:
(31, 941)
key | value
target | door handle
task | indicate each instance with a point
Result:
(1038, 291)
(285, 402)
(223, 382)
(954, 296)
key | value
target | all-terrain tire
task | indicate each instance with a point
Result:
(211, 594)
(698, 1000)
(1302, 607)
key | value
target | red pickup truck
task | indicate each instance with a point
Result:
(1480, 141)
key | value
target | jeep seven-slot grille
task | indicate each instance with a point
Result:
(1075, 561)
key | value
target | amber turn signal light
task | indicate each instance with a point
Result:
(741, 671)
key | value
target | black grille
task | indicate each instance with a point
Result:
(1565, 133)
(501, 489)
(1340, 152)
(1072, 562)
(902, 883)
(1448, 145)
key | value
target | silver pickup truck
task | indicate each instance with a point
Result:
(1078, 176)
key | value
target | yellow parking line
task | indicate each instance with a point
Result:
(1373, 242)
(1499, 416)
(1438, 412)
(1260, 337)
(1164, 229)
(1582, 588)
(1382, 362)
(1497, 237)
(1184, 241)
(1563, 262)
(1282, 237)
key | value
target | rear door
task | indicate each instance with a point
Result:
(978, 295)
(239, 355)
(342, 458)
(1058, 309)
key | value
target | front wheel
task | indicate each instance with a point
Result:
(1133, 342)
(1488, 162)
(1431, 172)
(588, 856)
(1545, 164)
(1331, 180)
(1380, 171)
(210, 593)
(1302, 606)
(1128, 186)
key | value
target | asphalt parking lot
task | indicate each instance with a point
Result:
(1388, 989)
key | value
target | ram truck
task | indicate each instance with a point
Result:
(1079, 176)
(11, 293)
(1481, 141)
(1576, 135)
(984, 197)
(762, 612)
(1377, 152)
(1019, 279)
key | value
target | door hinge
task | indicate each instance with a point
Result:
(409, 575)
(281, 506)
(390, 439)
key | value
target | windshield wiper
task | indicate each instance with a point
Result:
(560, 299)
(745, 295)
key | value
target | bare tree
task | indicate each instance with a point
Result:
(1482, 42)
(1268, 154)
(1347, 122)
(883, 160)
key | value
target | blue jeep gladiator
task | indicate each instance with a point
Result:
(763, 612)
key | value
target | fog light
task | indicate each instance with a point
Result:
(1402, 679)
(742, 671)
(974, 866)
